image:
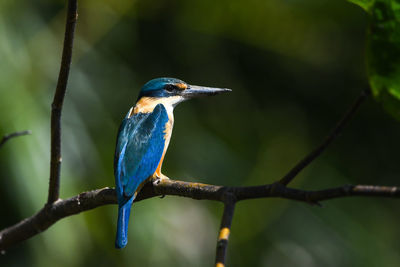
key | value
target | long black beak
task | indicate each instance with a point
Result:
(197, 91)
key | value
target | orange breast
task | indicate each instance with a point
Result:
(167, 138)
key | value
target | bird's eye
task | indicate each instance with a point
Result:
(169, 87)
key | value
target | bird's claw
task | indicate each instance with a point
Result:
(156, 180)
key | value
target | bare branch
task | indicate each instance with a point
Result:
(56, 208)
(55, 211)
(12, 135)
(328, 140)
(225, 229)
(56, 106)
(313, 197)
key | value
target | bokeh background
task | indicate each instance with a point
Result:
(294, 67)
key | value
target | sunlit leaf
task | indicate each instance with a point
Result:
(365, 4)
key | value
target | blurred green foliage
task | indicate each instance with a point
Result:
(294, 67)
(383, 52)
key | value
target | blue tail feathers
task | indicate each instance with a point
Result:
(123, 219)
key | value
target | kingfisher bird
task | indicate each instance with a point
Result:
(143, 139)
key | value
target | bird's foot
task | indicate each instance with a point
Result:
(163, 177)
(158, 179)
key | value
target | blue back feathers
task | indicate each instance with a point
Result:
(139, 149)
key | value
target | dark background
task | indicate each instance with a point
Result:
(294, 67)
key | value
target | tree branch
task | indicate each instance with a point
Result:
(56, 106)
(12, 135)
(55, 211)
(56, 208)
(225, 229)
(328, 140)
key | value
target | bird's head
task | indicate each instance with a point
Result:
(171, 88)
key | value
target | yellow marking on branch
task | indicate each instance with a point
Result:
(219, 264)
(224, 234)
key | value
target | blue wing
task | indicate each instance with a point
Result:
(140, 145)
(139, 149)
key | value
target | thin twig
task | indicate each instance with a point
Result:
(12, 135)
(53, 212)
(225, 229)
(56, 106)
(328, 140)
